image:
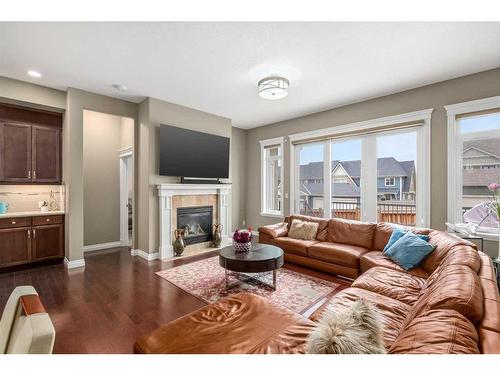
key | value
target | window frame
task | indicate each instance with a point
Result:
(364, 130)
(390, 178)
(455, 150)
(264, 144)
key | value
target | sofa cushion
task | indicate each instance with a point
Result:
(347, 255)
(393, 312)
(443, 242)
(303, 230)
(322, 224)
(293, 246)
(351, 232)
(454, 288)
(437, 332)
(274, 230)
(377, 258)
(401, 286)
(242, 323)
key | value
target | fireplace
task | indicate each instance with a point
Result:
(196, 222)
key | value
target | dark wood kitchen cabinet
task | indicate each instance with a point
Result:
(30, 146)
(15, 246)
(45, 154)
(15, 152)
(28, 240)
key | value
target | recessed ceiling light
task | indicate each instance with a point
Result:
(34, 73)
(120, 87)
(273, 87)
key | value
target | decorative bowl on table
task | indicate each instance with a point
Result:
(242, 240)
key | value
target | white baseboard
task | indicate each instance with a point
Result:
(144, 255)
(102, 246)
(70, 264)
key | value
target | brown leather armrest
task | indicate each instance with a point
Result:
(31, 304)
(275, 230)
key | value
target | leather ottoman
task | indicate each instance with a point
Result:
(243, 323)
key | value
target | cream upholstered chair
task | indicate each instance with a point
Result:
(25, 327)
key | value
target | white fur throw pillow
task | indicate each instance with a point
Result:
(353, 330)
(303, 230)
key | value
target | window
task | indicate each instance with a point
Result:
(389, 181)
(272, 177)
(473, 162)
(311, 177)
(355, 184)
(397, 154)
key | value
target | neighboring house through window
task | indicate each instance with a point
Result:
(337, 176)
(389, 181)
(272, 177)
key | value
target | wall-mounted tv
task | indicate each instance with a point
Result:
(188, 153)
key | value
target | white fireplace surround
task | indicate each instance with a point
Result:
(165, 194)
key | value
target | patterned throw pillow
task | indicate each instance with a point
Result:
(303, 230)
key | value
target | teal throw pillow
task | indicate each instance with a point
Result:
(409, 251)
(397, 234)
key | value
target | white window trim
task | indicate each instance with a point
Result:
(279, 141)
(423, 153)
(455, 150)
(393, 181)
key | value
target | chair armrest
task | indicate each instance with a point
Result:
(275, 230)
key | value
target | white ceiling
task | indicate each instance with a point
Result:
(215, 67)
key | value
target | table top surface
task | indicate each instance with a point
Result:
(259, 252)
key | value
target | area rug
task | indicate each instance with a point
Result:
(205, 279)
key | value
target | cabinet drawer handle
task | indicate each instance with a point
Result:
(29, 234)
(34, 175)
(13, 223)
(34, 233)
(29, 174)
(47, 220)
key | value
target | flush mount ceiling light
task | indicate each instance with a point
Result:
(120, 87)
(34, 73)
(273, 88)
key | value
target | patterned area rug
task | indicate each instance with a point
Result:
(205, 279)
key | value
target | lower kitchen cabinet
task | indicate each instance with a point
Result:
(15, 246)
(47, 242)
(26, 240)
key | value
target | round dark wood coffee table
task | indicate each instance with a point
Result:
(262, 258)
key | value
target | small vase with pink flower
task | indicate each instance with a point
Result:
(242, 240)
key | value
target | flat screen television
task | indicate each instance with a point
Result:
(188, 153)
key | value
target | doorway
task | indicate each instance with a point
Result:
(108, 179)
(126, 196)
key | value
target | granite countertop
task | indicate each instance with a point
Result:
(30, 213)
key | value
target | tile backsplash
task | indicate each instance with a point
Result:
(26, 197)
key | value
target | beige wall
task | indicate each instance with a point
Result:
(103, 137)
(152, 113)
(76, 102)
(238, 177)
(24, 93)
(435, 96)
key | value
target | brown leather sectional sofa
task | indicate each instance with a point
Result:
(449, 304)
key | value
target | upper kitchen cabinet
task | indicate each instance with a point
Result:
(46, 154)
(15, 152)
(30, 146)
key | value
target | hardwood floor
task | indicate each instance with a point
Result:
(115, 299)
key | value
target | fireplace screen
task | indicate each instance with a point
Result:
(196, 222)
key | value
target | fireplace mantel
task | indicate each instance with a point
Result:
(165, 194)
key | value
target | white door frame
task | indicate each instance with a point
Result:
(126, 175)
